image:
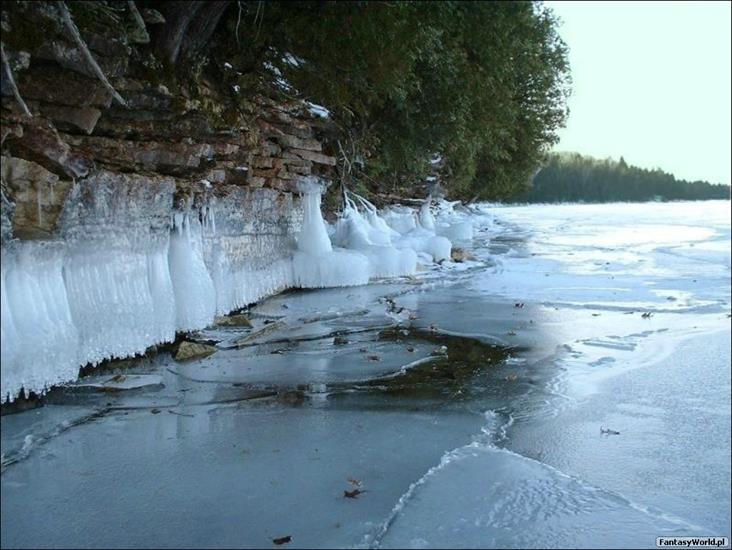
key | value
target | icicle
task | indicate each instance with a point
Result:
(40, 340)
(209, 216)
(137, 17)
(316, 263)
(313, 237)
(103, 292)
(39, 205)
(195, 295)
(426, 219)
(178, 218)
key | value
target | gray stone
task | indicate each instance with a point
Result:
(299, 143)
(55, 85)
(153, 155)
(71, 57)
(38, 195)
(78, 118)
(191, 350)
(317, 158)
(234, 321)
(459, 255)
(41, 143)
(152, 17)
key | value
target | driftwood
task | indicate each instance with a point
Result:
(388, 198)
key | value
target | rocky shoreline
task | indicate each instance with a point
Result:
(140, 204)
(89, 182)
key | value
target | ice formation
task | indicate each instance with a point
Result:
(195, 295)
(457, 227)
(426, 219)
(316, 263)
(369, 234)
(36, 315)
(101, 292)
(400, 218)
(237, 284)
(418, 232)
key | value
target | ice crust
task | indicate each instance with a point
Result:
(101, 293)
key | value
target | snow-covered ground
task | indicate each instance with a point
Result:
(469, 418)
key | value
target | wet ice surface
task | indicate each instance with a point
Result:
(496, 443)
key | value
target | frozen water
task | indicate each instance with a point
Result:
(316, 263)
(426, 219)
(458, 452)
(195, 296)
(425, 241)
(457, 231)
(400, 218)
(102, 292)
(362, 227)
(36, 313)
(455, 226)
(313, 238)
(339, 267)
(369, 234)
(487, 497)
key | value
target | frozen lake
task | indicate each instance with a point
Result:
(471, 418)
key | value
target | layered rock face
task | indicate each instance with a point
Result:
(122, 224)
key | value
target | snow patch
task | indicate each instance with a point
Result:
(317, 110)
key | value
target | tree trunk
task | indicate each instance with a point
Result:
(188, 26)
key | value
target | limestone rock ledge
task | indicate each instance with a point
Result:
(124, 224)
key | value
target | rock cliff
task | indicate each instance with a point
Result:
(138, 202)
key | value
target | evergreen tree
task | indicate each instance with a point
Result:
(481, 84)
(572, 178)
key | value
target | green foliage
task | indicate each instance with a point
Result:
(483, 84)
(576, 178)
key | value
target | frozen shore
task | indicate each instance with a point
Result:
(470, 418)
(129, 271)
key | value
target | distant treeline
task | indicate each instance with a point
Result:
(571, 177)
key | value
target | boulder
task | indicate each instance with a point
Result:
(41, 143)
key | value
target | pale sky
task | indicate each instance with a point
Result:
(651, 83)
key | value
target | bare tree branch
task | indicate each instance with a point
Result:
(238, 20)
(136, 14)
(11, 81)
(73, 29)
